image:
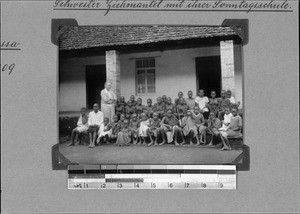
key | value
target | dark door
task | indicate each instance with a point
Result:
(208, 72)
(95, 78)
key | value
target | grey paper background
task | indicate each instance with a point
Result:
(30, 124)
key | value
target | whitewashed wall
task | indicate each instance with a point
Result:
(175, 71)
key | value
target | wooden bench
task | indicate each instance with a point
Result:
(236, 142)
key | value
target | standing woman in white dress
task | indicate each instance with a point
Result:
(108, 99)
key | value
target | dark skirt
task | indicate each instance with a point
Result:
(93, 128)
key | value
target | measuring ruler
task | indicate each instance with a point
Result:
(151, 177)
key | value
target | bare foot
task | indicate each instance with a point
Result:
(225, 148)
(91, 146)
(176, 143)
(98, 140)
(210, 143)
(150, 144)
(164, 142)
(71, 144)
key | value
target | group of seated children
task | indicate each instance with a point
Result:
(185, 119)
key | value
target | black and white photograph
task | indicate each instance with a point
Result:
(151, 94)
(149, 106)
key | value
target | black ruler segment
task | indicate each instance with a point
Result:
(126, 171)
(86, 176)
(192, 171)
(142, 171)
(159, 171)
(226, 172)
(76, 172)
(92, 171)
(175, 171)
(130, 169)
(109, 171)
(208, 171)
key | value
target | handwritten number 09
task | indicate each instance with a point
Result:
(7, 67)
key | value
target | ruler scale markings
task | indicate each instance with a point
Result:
(151, 176)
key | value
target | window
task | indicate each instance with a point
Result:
(145, 76)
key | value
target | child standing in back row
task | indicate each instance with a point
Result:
(120, 107)
(182, 108)
(159, 107)
(149, 108)
(139, 108)
(130, 109)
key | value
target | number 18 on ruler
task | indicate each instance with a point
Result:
(152, 177)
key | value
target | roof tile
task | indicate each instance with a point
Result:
(81, 37)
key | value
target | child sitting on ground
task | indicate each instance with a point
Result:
(82, 126)
(124, 136)
(234, 130)
(189, 128)
(134, 124)
(199, 122)
(170, 125)
(144, 129)
(104, 132)
(227, 117)
(115, 128)
(121, 121)
(213, 125)
(155, 128)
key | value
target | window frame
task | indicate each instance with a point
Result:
(145, 69)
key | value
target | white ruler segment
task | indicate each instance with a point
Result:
(197, 177)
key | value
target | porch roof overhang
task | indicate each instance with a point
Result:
(98, 39)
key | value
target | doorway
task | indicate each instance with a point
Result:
(208, 73)
(95, 76)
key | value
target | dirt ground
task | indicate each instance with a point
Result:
(141, 154)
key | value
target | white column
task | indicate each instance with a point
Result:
(113, 70)
(227, 65)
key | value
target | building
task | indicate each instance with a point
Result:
(147, 61)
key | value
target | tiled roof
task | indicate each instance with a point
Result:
(81, 37)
